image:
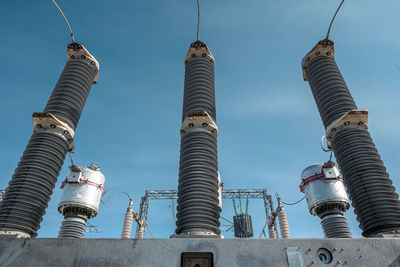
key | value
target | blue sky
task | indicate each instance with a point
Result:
(269, 126)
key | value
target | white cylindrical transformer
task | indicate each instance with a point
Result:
(80, 200)
(326, 198)
(322, 186)
(83, 188)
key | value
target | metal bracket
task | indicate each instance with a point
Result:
(357, 118)
(47, 121)
(199, 119)
(199, 49)
(322, 48)
(331, 174)
(294, 257)
(78, 51)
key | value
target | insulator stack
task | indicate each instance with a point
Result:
(140, 233)
(326, 198)
(373, 196)
(128, 221)
(83, 189)
(283, 223)
(198, 210)
(32, 184)
(272, 231)
(243, 226)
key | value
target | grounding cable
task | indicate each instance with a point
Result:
(66, 21)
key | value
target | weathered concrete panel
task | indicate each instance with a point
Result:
(167, 252)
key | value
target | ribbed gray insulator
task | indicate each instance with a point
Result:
(32, 184)
(335, 226)
(72, 227)
(199, 92)
(330, 91)
(371, 191)
(283, 224)
(198, 209)
(70, 94)
(127, 227)
(373, 196)
(272, 232)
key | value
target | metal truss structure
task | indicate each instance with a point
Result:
(226, 194)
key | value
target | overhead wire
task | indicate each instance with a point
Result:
(198, 19)
(66, 21)
(334, 16)
(115, 193)
(294, 203)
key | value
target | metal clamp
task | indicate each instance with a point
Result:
(357, 118)
(322, 48)
(199, 119)
(14, 234)
(78, 51)
(199, 49)
(47, 121)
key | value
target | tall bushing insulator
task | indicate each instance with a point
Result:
(283, 223)
(326, 198)
(32, 184)
(128, 220)
(80, 201)
(373, 196)
(272, 231)
(198, 210)
(242, 226)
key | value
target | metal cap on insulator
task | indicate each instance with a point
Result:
(324, 48)
(78, 51)
(199, 49)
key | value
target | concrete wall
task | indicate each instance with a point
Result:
(226, 252)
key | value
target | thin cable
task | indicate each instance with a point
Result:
(148, 228)
(226, 220)
(322, 145)
(70, 157)
(330, 25)
(66, 21)
(113, 194)
(198, 19)
(294, 203)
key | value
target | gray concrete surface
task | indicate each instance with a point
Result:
(167, 252)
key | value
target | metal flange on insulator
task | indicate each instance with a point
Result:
(78, 51)
(322, 48)
(199, 119)
(199, 49)
(357, 118)
(43, 121)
